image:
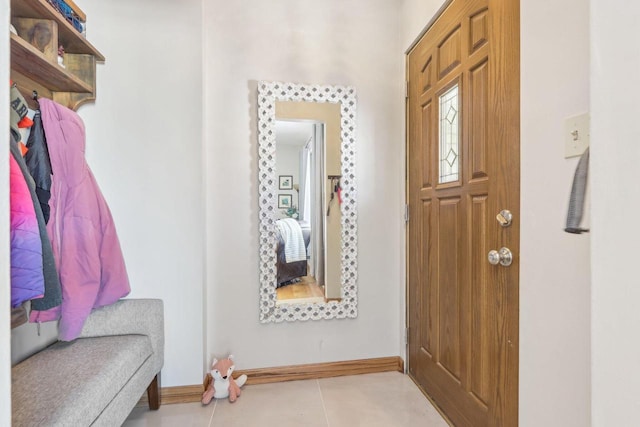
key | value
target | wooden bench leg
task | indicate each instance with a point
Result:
(153, 393)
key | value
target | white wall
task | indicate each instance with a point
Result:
(5, 292)
(554, 277)
(414, 16)
(345, 42)
(144, 144)
(554, 266)
(615, 131)
(288, 163)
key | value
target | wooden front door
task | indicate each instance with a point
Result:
(463, 169)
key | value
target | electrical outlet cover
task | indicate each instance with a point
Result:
(576, 135)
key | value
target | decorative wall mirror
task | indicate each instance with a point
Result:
(308, 227)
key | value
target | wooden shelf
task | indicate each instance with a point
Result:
(30, 62)
(70, 38)
(34, 55)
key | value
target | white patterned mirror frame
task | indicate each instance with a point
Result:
(268, 94)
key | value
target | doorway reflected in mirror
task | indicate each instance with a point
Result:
(300, 147)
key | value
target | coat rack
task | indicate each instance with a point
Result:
(336, 188)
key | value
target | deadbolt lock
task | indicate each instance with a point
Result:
(504, 218)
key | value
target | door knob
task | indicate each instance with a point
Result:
(503, 257)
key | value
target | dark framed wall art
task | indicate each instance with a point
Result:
(284, 201)
(285, 182)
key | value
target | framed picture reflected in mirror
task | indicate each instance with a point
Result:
(285, 182)
(284, 201)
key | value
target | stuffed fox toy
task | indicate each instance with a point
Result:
(222, 383)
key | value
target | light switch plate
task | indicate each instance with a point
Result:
(576, 135)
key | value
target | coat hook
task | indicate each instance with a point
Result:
(34, 95)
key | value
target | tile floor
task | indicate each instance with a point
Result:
(388, 399)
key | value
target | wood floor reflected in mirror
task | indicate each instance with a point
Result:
(306, 290)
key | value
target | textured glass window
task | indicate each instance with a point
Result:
(449, 153)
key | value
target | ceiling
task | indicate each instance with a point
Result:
(293, 132)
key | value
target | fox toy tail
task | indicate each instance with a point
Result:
(241, 380)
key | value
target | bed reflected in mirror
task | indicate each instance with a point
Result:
(307, 202)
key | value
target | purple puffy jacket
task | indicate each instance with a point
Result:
(83, 236)
(27, 277)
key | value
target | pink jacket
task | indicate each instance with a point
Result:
(83, 236)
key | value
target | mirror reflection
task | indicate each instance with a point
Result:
(308, 215)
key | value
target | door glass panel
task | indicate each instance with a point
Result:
(449, 136)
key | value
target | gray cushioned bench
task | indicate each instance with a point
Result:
(97, 379)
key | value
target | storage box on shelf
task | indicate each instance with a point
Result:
(34, 63)
(71, 13)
